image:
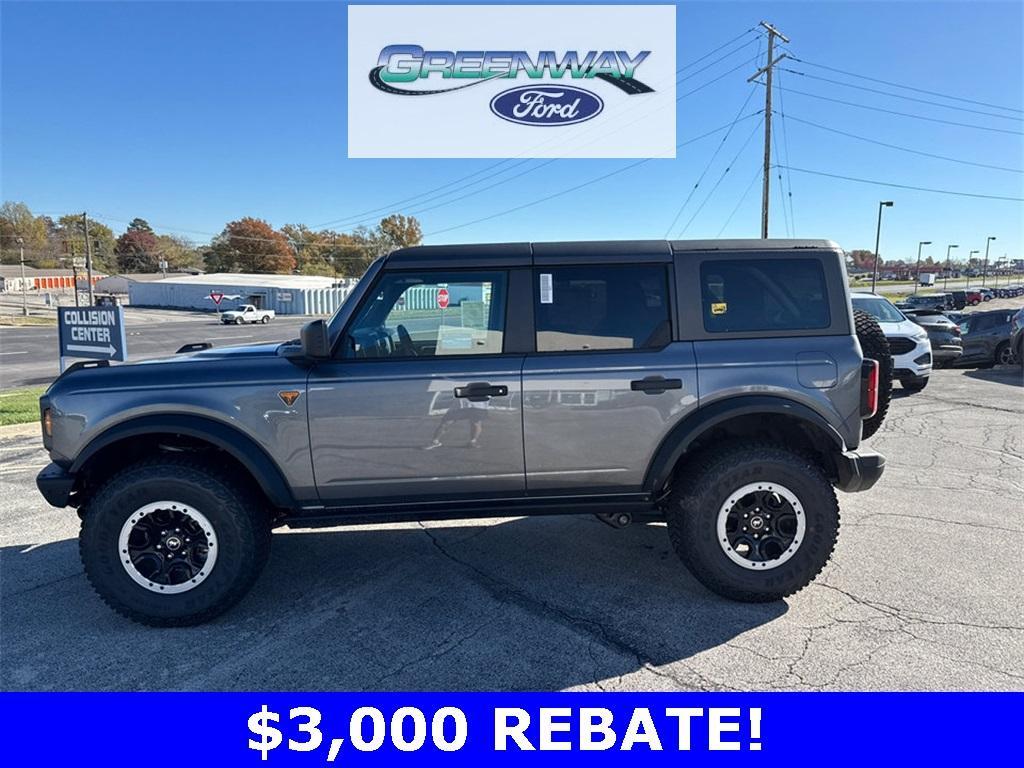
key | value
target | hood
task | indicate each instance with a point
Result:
(902, 328)
(268, 349)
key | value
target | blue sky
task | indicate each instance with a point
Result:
(193, 114)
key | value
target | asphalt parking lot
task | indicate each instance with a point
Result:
(923, 591)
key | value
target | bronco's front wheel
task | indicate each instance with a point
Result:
(169, 542)
(753, 521)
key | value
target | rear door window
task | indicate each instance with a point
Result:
(602, 307)
(744, 295)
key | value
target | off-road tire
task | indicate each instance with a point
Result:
(875, 347)
(708, 481)
(240, 520)
(915, 384)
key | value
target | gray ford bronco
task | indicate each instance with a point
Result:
(718, 386)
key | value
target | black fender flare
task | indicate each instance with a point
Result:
(229, 439)
(682, 436)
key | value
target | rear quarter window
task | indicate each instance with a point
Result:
(746, 295)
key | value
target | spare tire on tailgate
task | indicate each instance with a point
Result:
(875, 347)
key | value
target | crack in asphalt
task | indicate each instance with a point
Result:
(505, 592)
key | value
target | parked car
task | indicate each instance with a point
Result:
(971, 297)
(1017, 337)
(987, 294)
(937, 301)
(944, 335)
(908, 342)
(986, 338)
(959, 298)
(246, 313)
(569, 385)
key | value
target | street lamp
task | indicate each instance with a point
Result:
(984, 274)
(945, 278)
(878, 233)
(24, 288)
(917, 272)
(970, 258)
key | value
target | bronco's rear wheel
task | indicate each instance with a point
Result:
(753, 521)
(875, 347)
(169, 542)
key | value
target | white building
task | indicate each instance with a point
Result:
(285, 294)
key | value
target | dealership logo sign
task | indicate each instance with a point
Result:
(511, 80)
(546, 105)
(409, 70)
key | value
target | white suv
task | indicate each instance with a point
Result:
(908, 341)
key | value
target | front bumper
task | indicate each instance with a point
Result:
(858, 470)
(56, 485)
(917, 362)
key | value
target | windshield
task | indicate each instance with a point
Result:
(881, 309)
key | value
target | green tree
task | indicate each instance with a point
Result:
(16, 220)
(71, 235)
(178, 252)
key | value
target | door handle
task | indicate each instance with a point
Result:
(655, 385)
(479, 391)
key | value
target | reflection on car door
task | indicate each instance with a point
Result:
(606, 383)
(422, 402)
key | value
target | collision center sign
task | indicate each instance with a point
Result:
(511, 81)
(92, 332)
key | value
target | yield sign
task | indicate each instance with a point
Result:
(442, 298)
(217, 297)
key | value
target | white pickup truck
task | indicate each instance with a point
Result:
(246, 313)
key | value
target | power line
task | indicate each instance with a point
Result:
(720, 59)
(721, 178)
(906, 149)
(908, 186)
(785, 146)
(903, 114)
(901, 96)
(905, 87)
(711, 160)
(782, 191)
(571, 189)
(702, 86)
(715, 50)
(750, 186)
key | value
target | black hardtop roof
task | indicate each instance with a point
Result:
(525, 254)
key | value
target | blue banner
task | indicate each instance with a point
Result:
(771, 729)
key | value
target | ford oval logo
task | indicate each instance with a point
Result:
(546, 105)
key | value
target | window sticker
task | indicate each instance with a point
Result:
(719, 308)
(547, 291)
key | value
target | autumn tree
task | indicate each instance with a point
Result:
(862, 259)
(137, 249)
(400, 231)
(250, 245)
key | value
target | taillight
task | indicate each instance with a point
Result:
(869, 374)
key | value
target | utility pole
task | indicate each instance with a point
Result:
(984, 274)
(88, 259)
(766, 70)
(24, 287)
(917, 274)
(878, 235)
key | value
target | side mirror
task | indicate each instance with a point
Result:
(315, 341)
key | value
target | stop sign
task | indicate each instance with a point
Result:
(442, 298)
